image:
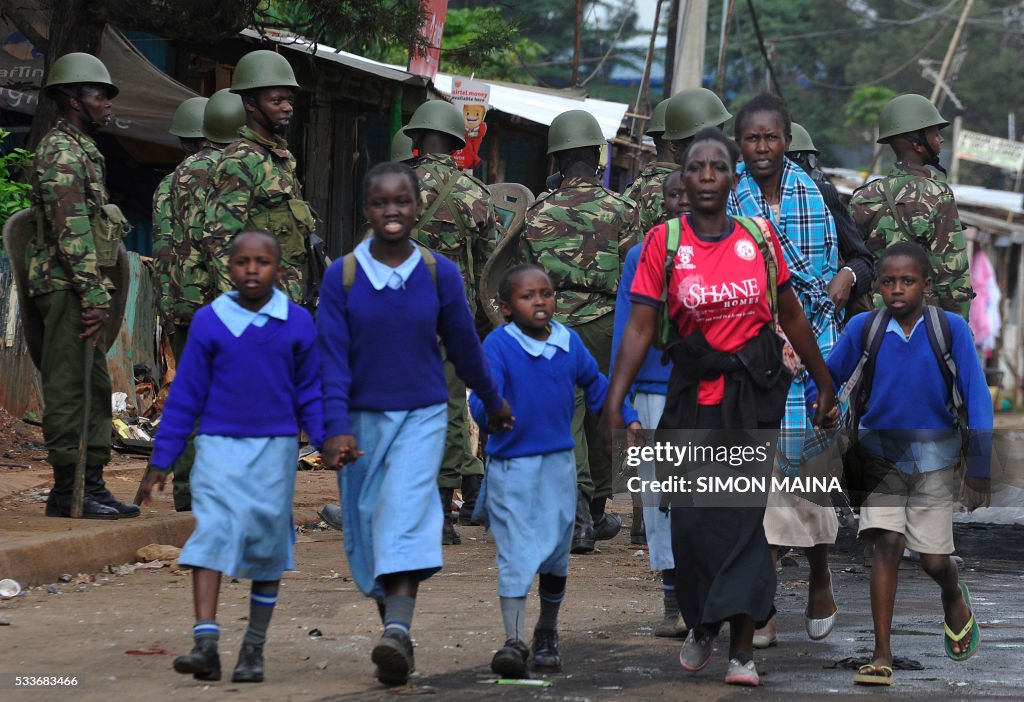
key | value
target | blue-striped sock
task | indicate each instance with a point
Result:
(261, 608)
(668, 589)
(398, 611)
(206, 629)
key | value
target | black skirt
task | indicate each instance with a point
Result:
(723, 561)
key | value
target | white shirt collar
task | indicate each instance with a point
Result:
(894, 327)
(237, 319)
(382, 275)
(557, 339)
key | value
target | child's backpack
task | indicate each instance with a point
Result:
(857, 390)
(349, 265)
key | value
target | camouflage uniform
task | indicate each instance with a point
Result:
(647, 192)
(463, 229)
(254, 185)
(580, 234)
(184, 266)
(927, 208)
(64, 279)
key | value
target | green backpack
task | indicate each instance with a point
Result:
(757, 227)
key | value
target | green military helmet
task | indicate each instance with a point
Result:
(262, 69)
(690, 111)
(79, 68)
(401, 147)
(801, 140)
(574, 129)
(907, 113)
(438, 116)
(187, 122)
(657, 123)
(223, 117)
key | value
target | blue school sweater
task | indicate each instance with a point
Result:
(652, 376)
(264, 383)
(542, 394)
(380, 348)
(909, 394)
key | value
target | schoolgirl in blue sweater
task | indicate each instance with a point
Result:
(911, 446)
(530, 485)
(385, 403)
(250, 375)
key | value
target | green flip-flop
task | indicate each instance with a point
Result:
(971, 627)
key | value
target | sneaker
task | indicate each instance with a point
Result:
(393, 656)
(203, 662)
(607, 526)
(742, 674)
(510, 660)
(545, 651)
(250, 665)
(696, 653)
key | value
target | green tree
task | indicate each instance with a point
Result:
(14, 195)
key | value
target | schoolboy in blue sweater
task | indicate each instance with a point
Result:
(912, 447)
(385, 393)
(250, 374)
(530, 487)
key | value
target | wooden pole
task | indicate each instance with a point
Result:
(727, 10)
(950, 50)
(670, 48)
(577, 43)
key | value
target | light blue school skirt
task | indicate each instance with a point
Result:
(392, 512)
(531, 505)
(242, 491)
(657, 524)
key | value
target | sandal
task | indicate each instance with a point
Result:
(971, 627)
(871, 674)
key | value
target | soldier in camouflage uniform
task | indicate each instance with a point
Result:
(255, 185)
(78, 231)
(647, 190)
(580, 233)
(184, 263)
(912, 203)
(457, 220)
(187, 125)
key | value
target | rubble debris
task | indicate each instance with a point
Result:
(158, 552)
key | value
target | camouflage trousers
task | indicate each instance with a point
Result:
(182, 468)
(593, 466)
(458, 460)
(63, 372)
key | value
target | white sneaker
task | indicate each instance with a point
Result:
(742, 674)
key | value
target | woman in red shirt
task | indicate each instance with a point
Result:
(728, 375)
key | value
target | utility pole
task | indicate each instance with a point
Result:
(690, 41)
(727, 9)
(670, 48)
(950, 51)
(577, 42)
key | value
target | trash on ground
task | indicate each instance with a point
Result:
(151, 651)
(158, 552)
(9, 588)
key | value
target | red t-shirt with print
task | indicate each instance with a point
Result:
(717, 286)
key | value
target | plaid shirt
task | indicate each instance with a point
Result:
(809, 242)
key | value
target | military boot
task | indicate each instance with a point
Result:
(637, 532)
(606, 525)
(449, 537)
(58, 504)
(583, 531)
(96, 488)
(470, 491)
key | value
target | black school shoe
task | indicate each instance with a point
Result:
(393, 656)
(510, 660)
(250, 665)
(607, 526)
(203, 662)
(545, 652)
